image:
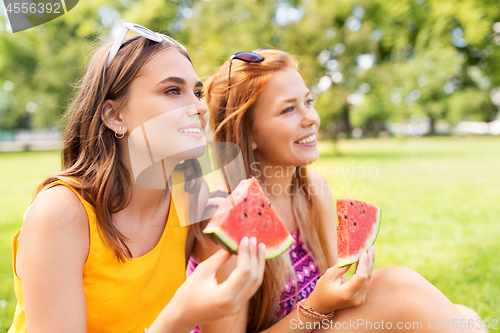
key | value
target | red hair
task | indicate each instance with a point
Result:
(232, 121)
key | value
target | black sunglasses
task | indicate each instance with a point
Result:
(245, 56)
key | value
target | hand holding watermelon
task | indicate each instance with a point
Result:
(203, 296)
(331, 293)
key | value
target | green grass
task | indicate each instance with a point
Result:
(20, 173)
(440, 208)
(439, 198)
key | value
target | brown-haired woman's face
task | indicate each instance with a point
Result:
(285, 122)
(165, 98)
(166, 83)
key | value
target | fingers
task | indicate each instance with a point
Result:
(254, 258)
(254, 278)
(239, 277)
(371, 260)
(360, 277)
(334, 272)
(362, 267)
(262, 261)
(369, 270)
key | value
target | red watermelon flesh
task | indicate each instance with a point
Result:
(359, 224)
(248, 212)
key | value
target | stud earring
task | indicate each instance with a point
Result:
(119, 136)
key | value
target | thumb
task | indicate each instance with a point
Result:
(212, 264)
(335, 272)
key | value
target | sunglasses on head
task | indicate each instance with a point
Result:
(142, 31)
(245, 56)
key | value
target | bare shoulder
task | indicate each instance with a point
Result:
(56, 207)
(53, 248)
(56, 221)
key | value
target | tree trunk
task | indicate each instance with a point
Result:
(347, 122)
(433, 125)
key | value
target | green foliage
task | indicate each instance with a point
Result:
(440, 50)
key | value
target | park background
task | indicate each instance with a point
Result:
(406, 89)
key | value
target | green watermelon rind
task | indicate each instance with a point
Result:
(355, 257)
(229, 244)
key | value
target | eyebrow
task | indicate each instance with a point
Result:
(292, 100)
(178, 80)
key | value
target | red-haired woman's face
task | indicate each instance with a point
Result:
(285, 122)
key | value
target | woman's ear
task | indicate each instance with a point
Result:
(111, 117)
(253, 144)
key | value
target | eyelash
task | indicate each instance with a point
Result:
(309, 102)
(199, 94)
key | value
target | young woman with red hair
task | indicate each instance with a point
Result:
(258, 100)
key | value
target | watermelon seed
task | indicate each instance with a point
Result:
(262, 204)
(269, 204)
(352, 204)
(363, 212)
(265, 224)
(345, 216)
(245, 199)
(245, 214)
(354, 223)
(260, 213)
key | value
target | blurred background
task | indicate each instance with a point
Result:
(407, 90)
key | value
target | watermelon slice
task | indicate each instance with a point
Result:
(248, 212)
(359, 224)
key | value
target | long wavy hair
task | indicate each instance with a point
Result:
(90, 157)
(232, 121)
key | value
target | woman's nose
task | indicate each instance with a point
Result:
(310, 118)
(199, 109)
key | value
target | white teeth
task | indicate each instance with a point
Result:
(190, 130)
(310, 138)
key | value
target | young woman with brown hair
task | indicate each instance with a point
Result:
(258, 100)
(98, 253)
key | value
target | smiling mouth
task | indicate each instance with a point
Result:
(310, 138)
(190, 130)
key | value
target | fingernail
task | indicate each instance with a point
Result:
(365, 255)
(262, 247)
(254, 241)
(245, 241)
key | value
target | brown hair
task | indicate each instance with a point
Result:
(90, 156)
(233, 122)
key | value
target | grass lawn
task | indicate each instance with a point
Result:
(20, 174)
(439, 198)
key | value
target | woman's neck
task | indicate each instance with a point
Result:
(276, 180)
(277, 185)
(146, 203)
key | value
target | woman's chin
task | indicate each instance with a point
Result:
(306, 160)
(309, 158)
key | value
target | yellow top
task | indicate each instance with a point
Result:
(123, 296)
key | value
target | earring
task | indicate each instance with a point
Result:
(119, 136)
